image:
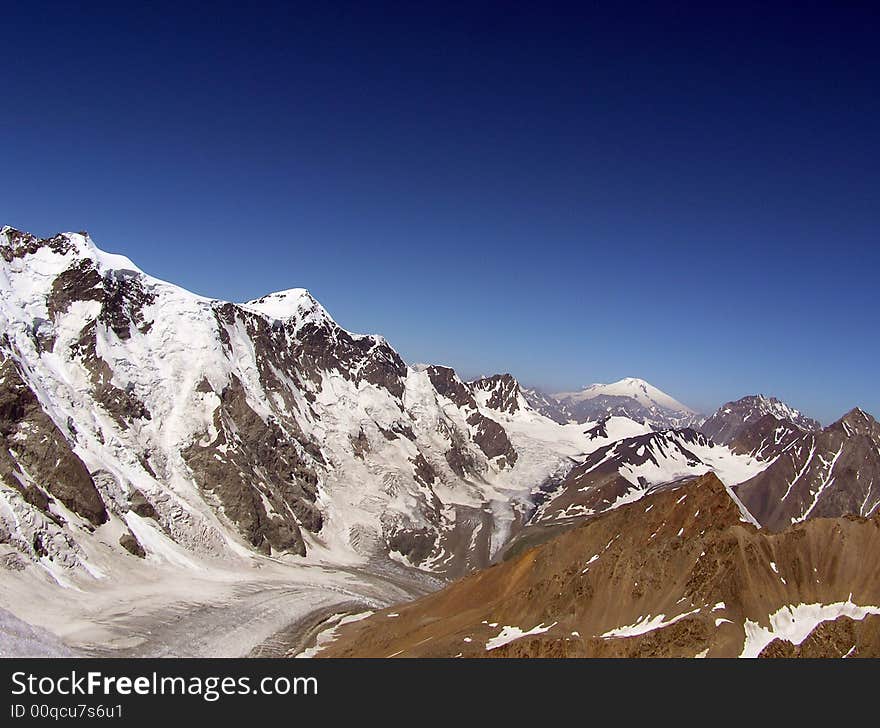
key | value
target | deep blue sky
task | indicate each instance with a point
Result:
(571, 194)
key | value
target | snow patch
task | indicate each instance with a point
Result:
(645, 624)
(794, 623)
(509, 634)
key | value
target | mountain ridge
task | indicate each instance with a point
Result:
(194, 436)
(732, 417)
(687, 578)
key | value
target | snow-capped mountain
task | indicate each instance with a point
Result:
(732, 417)
(142, 419)
(641, 391)
(629, 397)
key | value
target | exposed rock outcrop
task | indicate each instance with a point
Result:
(35, 458)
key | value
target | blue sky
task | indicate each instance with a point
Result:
(573, 195)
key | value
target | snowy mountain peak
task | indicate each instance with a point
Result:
(50, 255)
(198, 426)
(629, 397)
(297, 306)
(293, 303)
(182, 445)
(776, 407)
(634, 381)
(643, 392)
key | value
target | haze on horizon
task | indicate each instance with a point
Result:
(684, 195)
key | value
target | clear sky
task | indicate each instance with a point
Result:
(571, 194)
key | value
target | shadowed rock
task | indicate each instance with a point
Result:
(30, 442)
(824, 474)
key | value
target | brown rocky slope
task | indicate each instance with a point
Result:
(677, 574)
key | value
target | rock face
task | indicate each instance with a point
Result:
(604, 405)
(679, 574)
(486, 432)
(733, 417)
(829, 473)
(547, 405)
(132, 545)
(500, 392)
(254, 468)
(36, 459)
(765, 438)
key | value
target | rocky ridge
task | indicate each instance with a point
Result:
(681, 573)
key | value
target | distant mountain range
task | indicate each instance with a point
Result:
(169, 460)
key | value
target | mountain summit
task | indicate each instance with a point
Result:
(629, 397)
(733, 417)
(641, 391)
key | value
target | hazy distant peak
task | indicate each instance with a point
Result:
(643, 392)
